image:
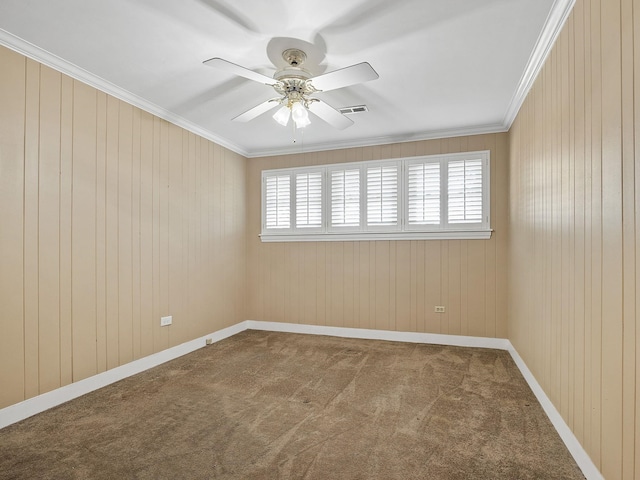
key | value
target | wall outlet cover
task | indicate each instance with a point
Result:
(164, 321)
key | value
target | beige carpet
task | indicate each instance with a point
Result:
(264, 405)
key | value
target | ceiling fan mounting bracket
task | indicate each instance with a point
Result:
(294, 57)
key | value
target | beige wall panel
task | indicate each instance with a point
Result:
(612, 300)
(628, 412)
(49, 231)
(175, 246)
(385, 285)
(565, 209)
(421, 297)
(194, 280)
(12, 99)
(403, 292)
(117, 213)
(101, 205)
(364, 310)
(31, 204)
(579, 299)
(321, 292)
(634, 297)
(596, 228)
(83, 240)
(125, 223)
(382, 286)
(163, 254)
(292, 289)
(146, 234)
(584, 8)
(436, 284)
(453, 301)
(573, 259)
(135, 235)
(111, 229)
(477, 291)
(66, 208)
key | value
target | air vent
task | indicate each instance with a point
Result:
(354, 109)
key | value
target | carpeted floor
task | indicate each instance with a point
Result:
(264, 405)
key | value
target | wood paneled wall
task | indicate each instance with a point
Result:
(389, 285)
(574, 223)
(109, 219)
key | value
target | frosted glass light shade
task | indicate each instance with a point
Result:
(282, 115)
(300, 115)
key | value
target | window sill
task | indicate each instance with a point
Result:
(372, 236)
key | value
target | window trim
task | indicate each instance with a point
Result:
(401, 231)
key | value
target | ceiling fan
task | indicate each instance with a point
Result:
(295, 87)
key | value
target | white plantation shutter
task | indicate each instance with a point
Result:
(278, 201)
(464, 191)
(345, 198)
(443, 196)
(423, 193)
(309, 200)
(382, 195)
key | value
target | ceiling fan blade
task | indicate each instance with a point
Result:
(330, 115)
(359, 73)
(240, 71)
(257, 110)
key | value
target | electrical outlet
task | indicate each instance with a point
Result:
(439, 309)
(164, 321)
(209, 341)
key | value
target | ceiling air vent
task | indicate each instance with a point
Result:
(354, 109)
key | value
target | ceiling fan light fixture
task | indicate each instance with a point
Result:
(300, 115)
(282, 115)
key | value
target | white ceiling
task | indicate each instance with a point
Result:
(447, 67)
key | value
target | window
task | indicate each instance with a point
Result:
(277, 201)
(345, 198)
(382, 195)
(309, 200)
(440, 196)
(423, 197)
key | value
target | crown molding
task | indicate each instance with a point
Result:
(40, 55)
(553, 26)
(386, 140)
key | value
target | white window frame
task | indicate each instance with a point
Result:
(401, 231)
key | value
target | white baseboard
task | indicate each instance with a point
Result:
(409, 337)
(32, 406)
(579, 454)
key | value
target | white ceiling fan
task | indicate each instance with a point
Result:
(295, 87)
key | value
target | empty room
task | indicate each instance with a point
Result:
(362, 239)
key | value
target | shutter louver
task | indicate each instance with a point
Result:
(464, 185)
(309, 200)
(423, 193)
(278, 202)
(345, 198)
(382, 195)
